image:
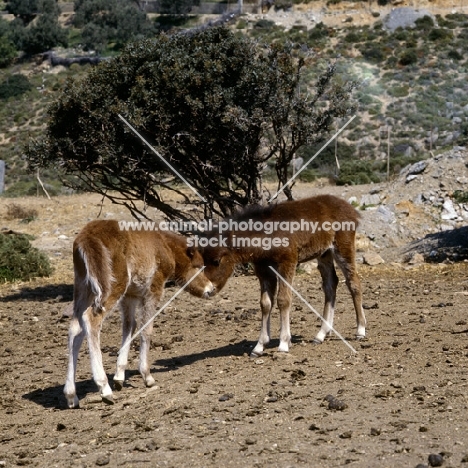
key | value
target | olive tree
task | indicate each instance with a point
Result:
(215, 105)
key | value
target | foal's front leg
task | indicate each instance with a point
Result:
(268, 285)
(284, 301)
(329, 285)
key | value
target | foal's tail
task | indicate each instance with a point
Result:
(93, 270)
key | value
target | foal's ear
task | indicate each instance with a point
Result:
(191, 251)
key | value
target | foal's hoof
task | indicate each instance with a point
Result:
(360, 337)
(255, 355)
(73, 402)
(150, 382)
(108, 399)
(118, 385)
(315, 341)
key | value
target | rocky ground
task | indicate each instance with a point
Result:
(399, 399)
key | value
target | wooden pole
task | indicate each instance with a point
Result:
(388, 152)
(2, 175)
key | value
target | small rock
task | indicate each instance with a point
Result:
(250, 441)
(152, 445)
(435, 459)
(346, 435)
(417, 168)
(271, 399)
(448, 211)
(372, 258)
(374, 431)
(337, 405)
(225, 397)
(416, 259)
(465, 459)
(61, 427)
(370, 200)
(103, 460)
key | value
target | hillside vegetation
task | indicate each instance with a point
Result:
(412, 99)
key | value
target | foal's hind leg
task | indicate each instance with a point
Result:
(76, 335)
(268, 285)
(148, 310)
(329, 285)
(92, 321)
(128, 307)
(346, 258)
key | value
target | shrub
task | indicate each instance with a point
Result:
(373, 53)
(460, 196)
(264, 24)
(455, 55)
(15, 211)
(399, 91)
(7, 52)
(283, 5)
(319, 32)
(357, 172)
(408, 57)
(439, 34)
(425, 23)
(14, 85)
(19, 260)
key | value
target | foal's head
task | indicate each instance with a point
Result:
(189, 263)
(219, 265)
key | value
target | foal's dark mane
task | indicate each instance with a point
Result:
(254, 212)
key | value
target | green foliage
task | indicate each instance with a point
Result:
(460, 196)
(42, 34)
(264, 24)
(8, 52)
(426, 23)
(399, 91)
(177, 7)
(373, 53)
(454, 55)
(440, 35)
(408, 57)
(24, 9)
(19, 260)
(45, 34)
(13, 86)
(319, 33)
(110, 21)
(283, 5)
(357, 172)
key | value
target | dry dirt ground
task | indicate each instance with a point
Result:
(401, 397)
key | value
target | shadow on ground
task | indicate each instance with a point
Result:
(445, 245)
(51, 293)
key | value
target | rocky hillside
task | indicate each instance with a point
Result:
(412, 95)
(422, 215)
